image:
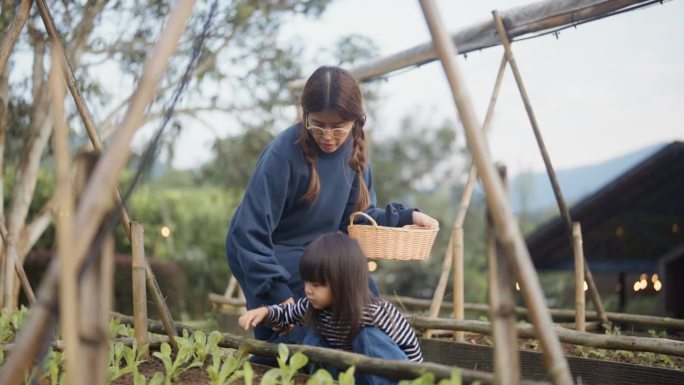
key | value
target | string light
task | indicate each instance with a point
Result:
(165, 231)
(372, 266)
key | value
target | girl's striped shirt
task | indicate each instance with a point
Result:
(381, 314)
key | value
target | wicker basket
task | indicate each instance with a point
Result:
(381, 242)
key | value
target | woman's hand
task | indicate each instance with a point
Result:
(253, 317)
(424, 220)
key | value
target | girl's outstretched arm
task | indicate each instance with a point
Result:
(253, 317)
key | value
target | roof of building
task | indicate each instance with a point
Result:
(628, 225)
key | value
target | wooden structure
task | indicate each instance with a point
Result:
(590, 371)
(89, 217)
(633, 225)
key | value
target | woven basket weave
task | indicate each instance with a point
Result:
(381, 242)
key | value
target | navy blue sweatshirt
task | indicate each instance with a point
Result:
(271, 227)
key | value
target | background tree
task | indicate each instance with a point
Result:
(242, 69)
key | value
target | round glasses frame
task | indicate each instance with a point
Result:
(338, 133)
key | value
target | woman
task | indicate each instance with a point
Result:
(307, 182)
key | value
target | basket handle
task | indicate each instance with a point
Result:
(354, 215)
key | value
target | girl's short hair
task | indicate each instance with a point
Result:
(337, 260)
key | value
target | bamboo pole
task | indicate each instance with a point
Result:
(537, 16)
(92, 332)
(562, 207)
(578, 249)
(87, 290)
(159, 301)
(13, 32)
(18, 268)
(506, 355)
(459, 292)
(338, 358)
(68, 288)
(92, 207)
(506, 226)
(59, 345)
(87, 119)
(30, 338)
(455, 250)
(604, 341)
(65, 65)
(107, 267)
(138, 276)
(217, 298)
(632, 319)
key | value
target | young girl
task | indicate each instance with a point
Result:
(339, 308)
(307, 182)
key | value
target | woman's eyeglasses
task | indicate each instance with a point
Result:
(338, 133)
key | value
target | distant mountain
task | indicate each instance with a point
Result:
(534, 189)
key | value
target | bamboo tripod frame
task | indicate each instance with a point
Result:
(506, 227)
(455, 248)
(631, 319)
(92, 207)
(450, 255)
(502, 303)
(86, 117)
(562, 206)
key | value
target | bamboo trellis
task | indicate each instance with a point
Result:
(566, 335)
(502, 302)
(562, 206)
(631, 319)
(507, 230)
(455, 248)
(341, 359)
(92, 206)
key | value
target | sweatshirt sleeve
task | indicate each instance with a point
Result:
(393, 215)
(254, 224)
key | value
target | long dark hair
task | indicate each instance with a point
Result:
(335, 89)
(337, 260)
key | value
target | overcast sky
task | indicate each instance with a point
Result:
(599, 91)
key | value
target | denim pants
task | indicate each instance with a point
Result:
(371, 342)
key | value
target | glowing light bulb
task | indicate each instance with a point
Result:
(654, 278)
(517, 286)
(642, 284)
(636, 286)
(372, 266)
(165, 231)
(586, 287)
(657, 285)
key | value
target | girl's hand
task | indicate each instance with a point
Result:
(253, 317)
(424, 220)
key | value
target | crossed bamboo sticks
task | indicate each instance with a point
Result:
(92, 208)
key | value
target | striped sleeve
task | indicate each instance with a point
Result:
(280, 316)
(392, 322)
